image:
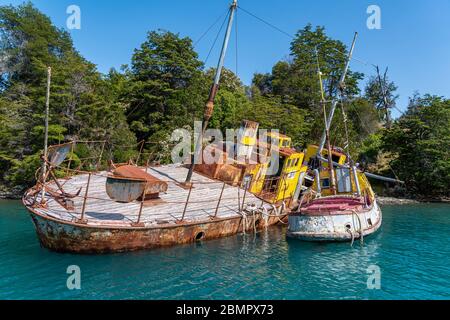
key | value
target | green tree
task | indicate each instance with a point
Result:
(420, 141)
(166, 82)
(81, 106)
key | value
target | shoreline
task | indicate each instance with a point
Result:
(14, 194)
(386, 201)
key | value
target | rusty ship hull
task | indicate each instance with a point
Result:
(210, 210)
(63, 236)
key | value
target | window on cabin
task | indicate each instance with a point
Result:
(335, 158)
(285, 143)
(326, 183)
(288, 165)
(344, 184)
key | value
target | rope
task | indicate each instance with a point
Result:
(293, 37)
(353, 237)
(361, 231)
(267, 23)
(209, 28)
(217, 36)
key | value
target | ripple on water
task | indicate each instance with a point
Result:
(411, 250)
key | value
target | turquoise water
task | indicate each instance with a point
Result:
(412, 251)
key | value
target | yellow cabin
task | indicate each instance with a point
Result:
(278, 139)
(282, 182)
(345, 177)
(337, 155)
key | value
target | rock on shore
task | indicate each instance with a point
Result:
(395, 201)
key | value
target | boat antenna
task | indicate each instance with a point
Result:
(327, 128)
(209, 108)
(336, 99)
(45, 156)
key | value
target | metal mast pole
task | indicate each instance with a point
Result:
(327, 130)
(209, 108)
(47, 107)
(385, 99)
(336, 100)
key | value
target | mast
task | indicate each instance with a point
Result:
(47, 107)
(327, 129)
(209, 108)
(336, 99)
(385, 99)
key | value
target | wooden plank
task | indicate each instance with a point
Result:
(101, 210)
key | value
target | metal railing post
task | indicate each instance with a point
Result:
(220, 199)
(243, 198)
(187, 202)
(239, 198)
(141, 207)
(70, 159)
(83, 210)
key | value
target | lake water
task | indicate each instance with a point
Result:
(412, 251)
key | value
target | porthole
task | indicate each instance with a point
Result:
(199, 236)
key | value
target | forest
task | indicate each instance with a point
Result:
(165, 86)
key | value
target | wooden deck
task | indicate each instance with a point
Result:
(102, 211)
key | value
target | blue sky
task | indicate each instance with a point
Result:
(414, 41)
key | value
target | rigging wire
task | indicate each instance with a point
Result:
(267, 23)
(217, 36)
(293, 37)
(209, 28)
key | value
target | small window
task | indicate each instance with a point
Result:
(288, 163)
(335, 158)
(326, 183)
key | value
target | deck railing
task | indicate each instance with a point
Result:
(95, 165)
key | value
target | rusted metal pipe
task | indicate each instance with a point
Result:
(243, 198)
(220, 199)
(187, 202)
(239, 198)
(209, 108)
(138, 222)
(83, 210)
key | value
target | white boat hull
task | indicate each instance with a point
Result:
(335, 227)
